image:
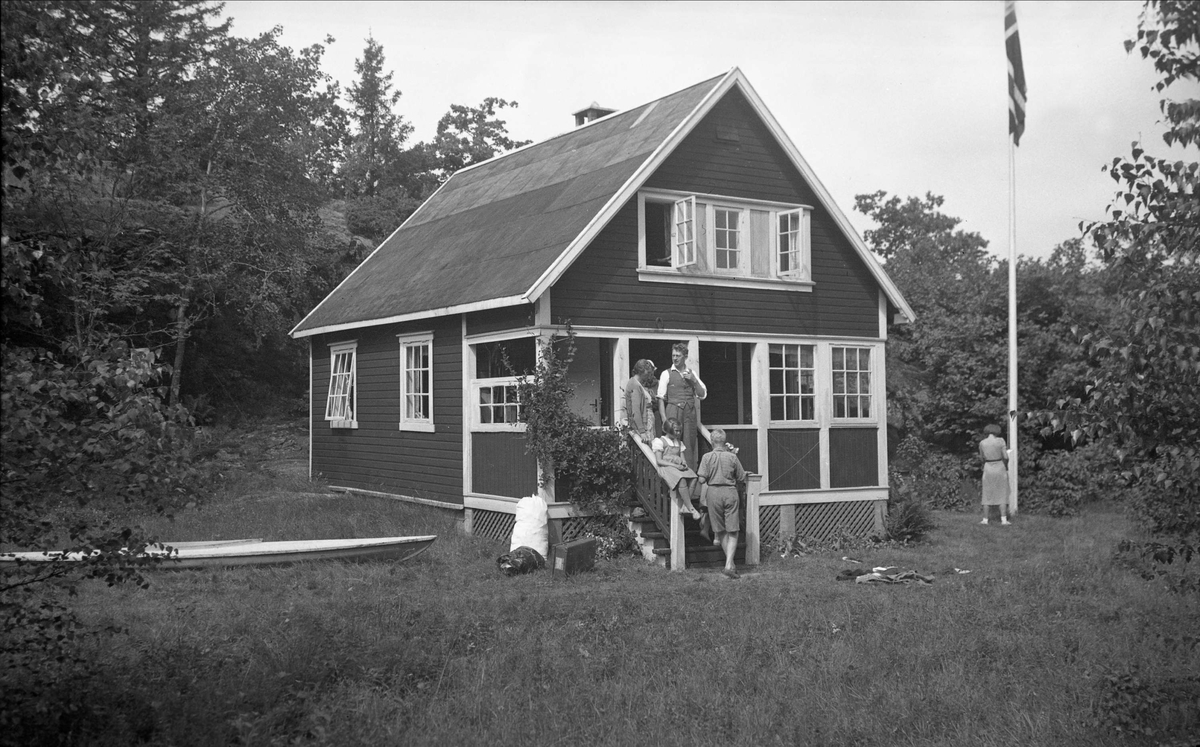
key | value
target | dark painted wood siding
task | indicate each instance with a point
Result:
(794, 457)
(853, 457)
(377, 455)
(499, 320)
(746, 442)
(501, 466)
(602, 286)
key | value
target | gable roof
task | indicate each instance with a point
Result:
(501, 232)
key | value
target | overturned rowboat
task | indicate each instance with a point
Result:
(252, 552)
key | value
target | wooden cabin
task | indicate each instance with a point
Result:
(690, 218)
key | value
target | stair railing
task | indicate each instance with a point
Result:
(655, 497)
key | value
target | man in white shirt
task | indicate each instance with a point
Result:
(678, 391)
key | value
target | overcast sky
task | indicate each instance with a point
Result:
(903, 97)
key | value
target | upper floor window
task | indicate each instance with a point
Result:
(683, 233)
(793, 382)
(723, 241)
(416, 382)
(727, 238)
(851, 382)
(341, 404)
(791, 241)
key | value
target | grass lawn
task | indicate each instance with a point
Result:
(1043, 637)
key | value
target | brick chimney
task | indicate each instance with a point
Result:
(590, 113)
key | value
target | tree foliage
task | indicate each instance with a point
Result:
(380, 133)
(1146, 389)
(588, 466)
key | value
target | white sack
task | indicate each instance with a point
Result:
(531, 528)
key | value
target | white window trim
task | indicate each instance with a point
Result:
(336, 349)
(422, 339)
(873, 418)
(743, 218)
(804, 273)
(480, 427)
(687, 275)
(680, 260)
(816, 418)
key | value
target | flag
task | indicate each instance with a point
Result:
(1016, 73)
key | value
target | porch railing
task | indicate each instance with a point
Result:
(655, 498)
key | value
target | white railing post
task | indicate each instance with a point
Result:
(678, 551)
(753, 528)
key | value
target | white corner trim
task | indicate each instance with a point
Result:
(817, 495)
(465, 308)
(397, 497)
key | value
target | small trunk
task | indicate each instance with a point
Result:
(182, 330)
(546, 483)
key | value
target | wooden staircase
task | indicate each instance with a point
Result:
(653, 530)
(700, 552)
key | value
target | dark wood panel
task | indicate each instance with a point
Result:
(498, 320)
(853, 457)
(377, 455)
(603, 288)
(746, 442)
(794, 459)
(501, 466)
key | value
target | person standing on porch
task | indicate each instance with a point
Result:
(994, 453)
(720, 474)
(639, 403)
(678, 391)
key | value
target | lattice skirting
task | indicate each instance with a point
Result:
(768, 524)
(574, 527)
(492, 524)
(821, 521)
(499, 526)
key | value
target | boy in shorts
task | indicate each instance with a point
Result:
(720, 473)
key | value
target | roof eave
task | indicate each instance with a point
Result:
(462, 308)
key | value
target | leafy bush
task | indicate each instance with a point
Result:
(1058, 483)
(933, 477)
(613, 535)
(1131, 703)
(88, 430)
(595, 473)
(908, 519)
(592, 464)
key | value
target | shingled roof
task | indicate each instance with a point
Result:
(498, 233)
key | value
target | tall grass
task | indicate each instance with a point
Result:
(443, 649)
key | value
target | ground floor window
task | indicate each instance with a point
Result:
(793, 382)
(495, 405)
(341, 404)
(851, 382)
(497, 402)
(416, 382)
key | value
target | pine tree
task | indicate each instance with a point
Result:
(381, 133)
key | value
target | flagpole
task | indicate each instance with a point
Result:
(1012, 327)
(1016, 126)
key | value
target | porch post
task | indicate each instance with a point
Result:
(753, 528)
(678, 551)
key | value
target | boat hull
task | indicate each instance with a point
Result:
(255, 552)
